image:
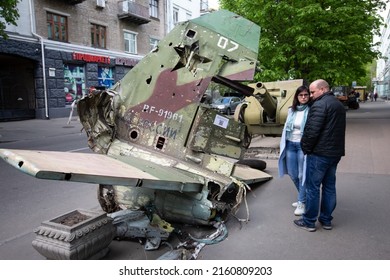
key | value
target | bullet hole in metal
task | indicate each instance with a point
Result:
(20, 164)
(149, 80)
(133, 134)
(68, 176)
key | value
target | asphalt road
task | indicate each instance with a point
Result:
(26, 201)
(361, 223)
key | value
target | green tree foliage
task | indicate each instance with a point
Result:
(311, 39)
(370, 74)
(8, 15)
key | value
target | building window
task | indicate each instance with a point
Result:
(74, 79)
(57, 27)
(153, 8)
(175, 16)
(98, 36)
(204, 5)
(130, 42)
(105, 77)
(153, 43)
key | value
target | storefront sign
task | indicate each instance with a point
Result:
(91, 58)
(125, 61)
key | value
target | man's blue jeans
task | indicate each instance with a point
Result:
(294, 164)
(320, 170)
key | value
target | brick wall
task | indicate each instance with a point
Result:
(80, 17)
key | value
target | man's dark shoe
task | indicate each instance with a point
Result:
(301, 224)
(326, 226)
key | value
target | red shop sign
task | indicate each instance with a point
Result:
(91, 58)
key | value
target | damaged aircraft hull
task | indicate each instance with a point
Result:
(157, 145)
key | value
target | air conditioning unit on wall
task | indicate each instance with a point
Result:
(101, 3)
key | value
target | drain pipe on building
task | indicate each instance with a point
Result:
(40, 38)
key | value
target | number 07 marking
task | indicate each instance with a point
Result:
(224, 43)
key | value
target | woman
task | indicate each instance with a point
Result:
(292, 159)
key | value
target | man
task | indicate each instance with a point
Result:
(323, 142)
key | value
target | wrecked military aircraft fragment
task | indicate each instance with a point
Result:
(157, 145)
(154, 115)
(136, 224)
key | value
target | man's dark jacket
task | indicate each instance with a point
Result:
(324, 132)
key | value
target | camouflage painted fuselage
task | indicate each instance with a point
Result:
(157, 103)
(155, 113)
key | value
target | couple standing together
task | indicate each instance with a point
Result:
(311, 146)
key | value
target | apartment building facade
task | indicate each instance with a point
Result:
(61, 48)
(382, 79)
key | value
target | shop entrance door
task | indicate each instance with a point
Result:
(17, 94)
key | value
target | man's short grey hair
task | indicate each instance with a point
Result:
(321, 84)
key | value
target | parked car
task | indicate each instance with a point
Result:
(226, 105)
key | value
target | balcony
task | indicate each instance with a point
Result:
(73, 2)
(133, 12)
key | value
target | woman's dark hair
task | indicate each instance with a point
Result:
(295, 100)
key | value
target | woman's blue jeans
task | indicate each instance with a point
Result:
(294, 163)
(320, 170)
